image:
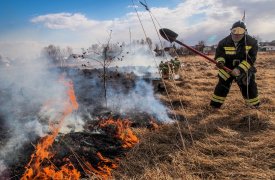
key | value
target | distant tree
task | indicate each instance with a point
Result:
(53, 53)
(57, 55)
(201, 45)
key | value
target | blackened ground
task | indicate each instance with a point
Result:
(77, 146)
(84, 147)
(16, 166)
(89, 86)
(89, 90)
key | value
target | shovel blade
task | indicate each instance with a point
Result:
(168, 34)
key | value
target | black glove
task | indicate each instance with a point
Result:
(244, 78)
(220, 64)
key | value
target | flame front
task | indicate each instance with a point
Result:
(103, 168)
(40, 165)
(124, 134)
(123, 131)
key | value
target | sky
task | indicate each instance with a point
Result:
(26, 26)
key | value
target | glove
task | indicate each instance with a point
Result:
(235, 72)
(220, 65)
(245, 78)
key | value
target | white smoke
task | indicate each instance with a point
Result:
(144, 60)
(143, 63)
(123, 94)
(72, 124)
(22, 133)
(140, 99)
(139, 55)
(28, 85)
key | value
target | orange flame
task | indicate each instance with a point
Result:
(41, 166)
(103, 168)
(35, 168)
(123, 131)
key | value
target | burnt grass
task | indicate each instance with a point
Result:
(85, 145)
(88, 86)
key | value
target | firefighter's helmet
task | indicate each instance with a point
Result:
(238, 28)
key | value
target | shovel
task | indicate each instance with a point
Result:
(172, 37)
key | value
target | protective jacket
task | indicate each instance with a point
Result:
(235, 55)
(242, 56)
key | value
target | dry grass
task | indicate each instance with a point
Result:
(235, 142)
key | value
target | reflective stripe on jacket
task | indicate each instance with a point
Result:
(235, 56)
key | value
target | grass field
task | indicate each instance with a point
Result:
(235, 142)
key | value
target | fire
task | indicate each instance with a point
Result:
(123, 131)
(40, 165)
(103, 168)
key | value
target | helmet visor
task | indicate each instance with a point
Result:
(238, 31)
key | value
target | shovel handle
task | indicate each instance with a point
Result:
(203, 55)
(171, 36)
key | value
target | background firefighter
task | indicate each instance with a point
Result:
(237, 51)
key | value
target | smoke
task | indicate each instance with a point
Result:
(72, 124)
(142, 62)
(139, 99)
(31, 94)
(129, 82)
(139, 56)
(2, 166)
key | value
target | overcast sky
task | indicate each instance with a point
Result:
(27, 26)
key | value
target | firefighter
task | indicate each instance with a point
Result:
(237, 51)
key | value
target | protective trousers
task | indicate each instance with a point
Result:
(249, 93)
